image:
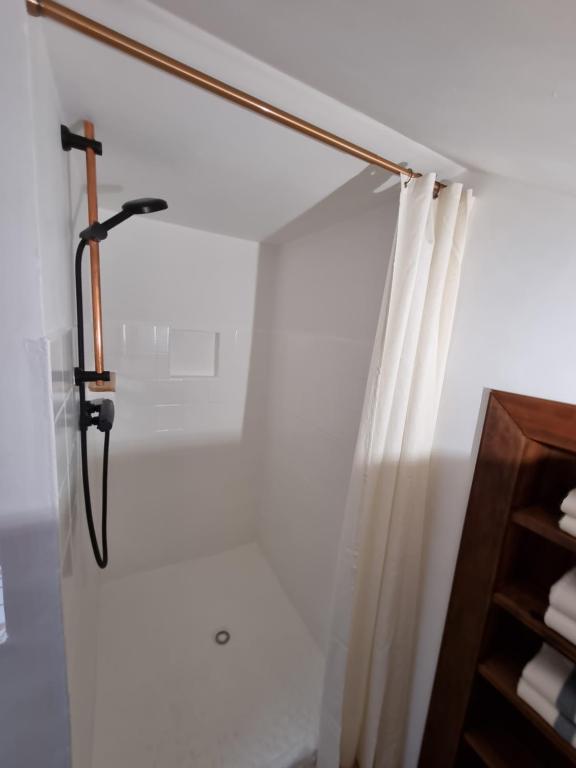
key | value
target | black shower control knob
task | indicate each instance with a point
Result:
(105, 419)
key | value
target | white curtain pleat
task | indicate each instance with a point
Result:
(378, 582)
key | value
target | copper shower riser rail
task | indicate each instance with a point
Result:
(92, 201)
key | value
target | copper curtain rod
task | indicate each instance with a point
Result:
(159, 60)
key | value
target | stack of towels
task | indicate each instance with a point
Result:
(548, 685)
(568, 519)
(561, 613)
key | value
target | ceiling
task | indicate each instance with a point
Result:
(490, 84)
(221, 168)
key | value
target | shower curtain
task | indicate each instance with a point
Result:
(370, 657)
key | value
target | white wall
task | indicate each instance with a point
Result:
(514, 330)
(319, 298)
(59, 190)
(33, 705)
(180, 463)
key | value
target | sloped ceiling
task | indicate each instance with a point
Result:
(221, 168)
(491, 84)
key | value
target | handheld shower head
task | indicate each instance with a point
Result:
(99, 231)
(104, 409)
(145, 205)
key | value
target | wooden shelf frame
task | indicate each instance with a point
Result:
(512, 550)
(544, 522)
(498, 749)
(529, 608)
(504, 674)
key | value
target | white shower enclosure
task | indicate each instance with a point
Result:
(240, 371)
(240, 324)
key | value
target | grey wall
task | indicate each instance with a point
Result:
(33, 705)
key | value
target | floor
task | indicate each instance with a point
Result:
(168, 696)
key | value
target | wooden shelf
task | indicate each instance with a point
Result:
(497, 748)
(544, 522)
(503, 674)
(529, 607)
(512, 551)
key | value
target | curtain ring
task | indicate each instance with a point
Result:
(411, 172)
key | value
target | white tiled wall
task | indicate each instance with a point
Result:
(178, 312)
(317, 311)
(65, 407)
(262, 449)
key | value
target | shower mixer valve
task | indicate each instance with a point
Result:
(104, 418)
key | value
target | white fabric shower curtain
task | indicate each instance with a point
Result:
(370, 657)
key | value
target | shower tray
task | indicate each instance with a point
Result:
(170, 696)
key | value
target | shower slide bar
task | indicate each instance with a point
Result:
(91, 148)
(137, 50)
(102, 380)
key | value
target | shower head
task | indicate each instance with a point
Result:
(145, 205)
(99, 231)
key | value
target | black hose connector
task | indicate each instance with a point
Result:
(104, 420)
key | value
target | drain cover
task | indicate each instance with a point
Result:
(222, 637)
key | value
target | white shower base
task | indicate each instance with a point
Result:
(169, 697)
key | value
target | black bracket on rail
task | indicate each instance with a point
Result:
(81, 377)
(76, 141)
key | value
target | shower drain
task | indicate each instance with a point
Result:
(222, 637)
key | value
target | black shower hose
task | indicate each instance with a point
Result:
(101, 556)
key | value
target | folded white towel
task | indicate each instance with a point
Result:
(568, 524)
(530, 695)
(568, 506)
(554, 677)
(561, 623)
(563, 594)
(546, 710)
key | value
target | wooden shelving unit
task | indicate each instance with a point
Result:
(499, 749)
(529, 608)
(544, 522)
(503, 674)
(511, 553)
